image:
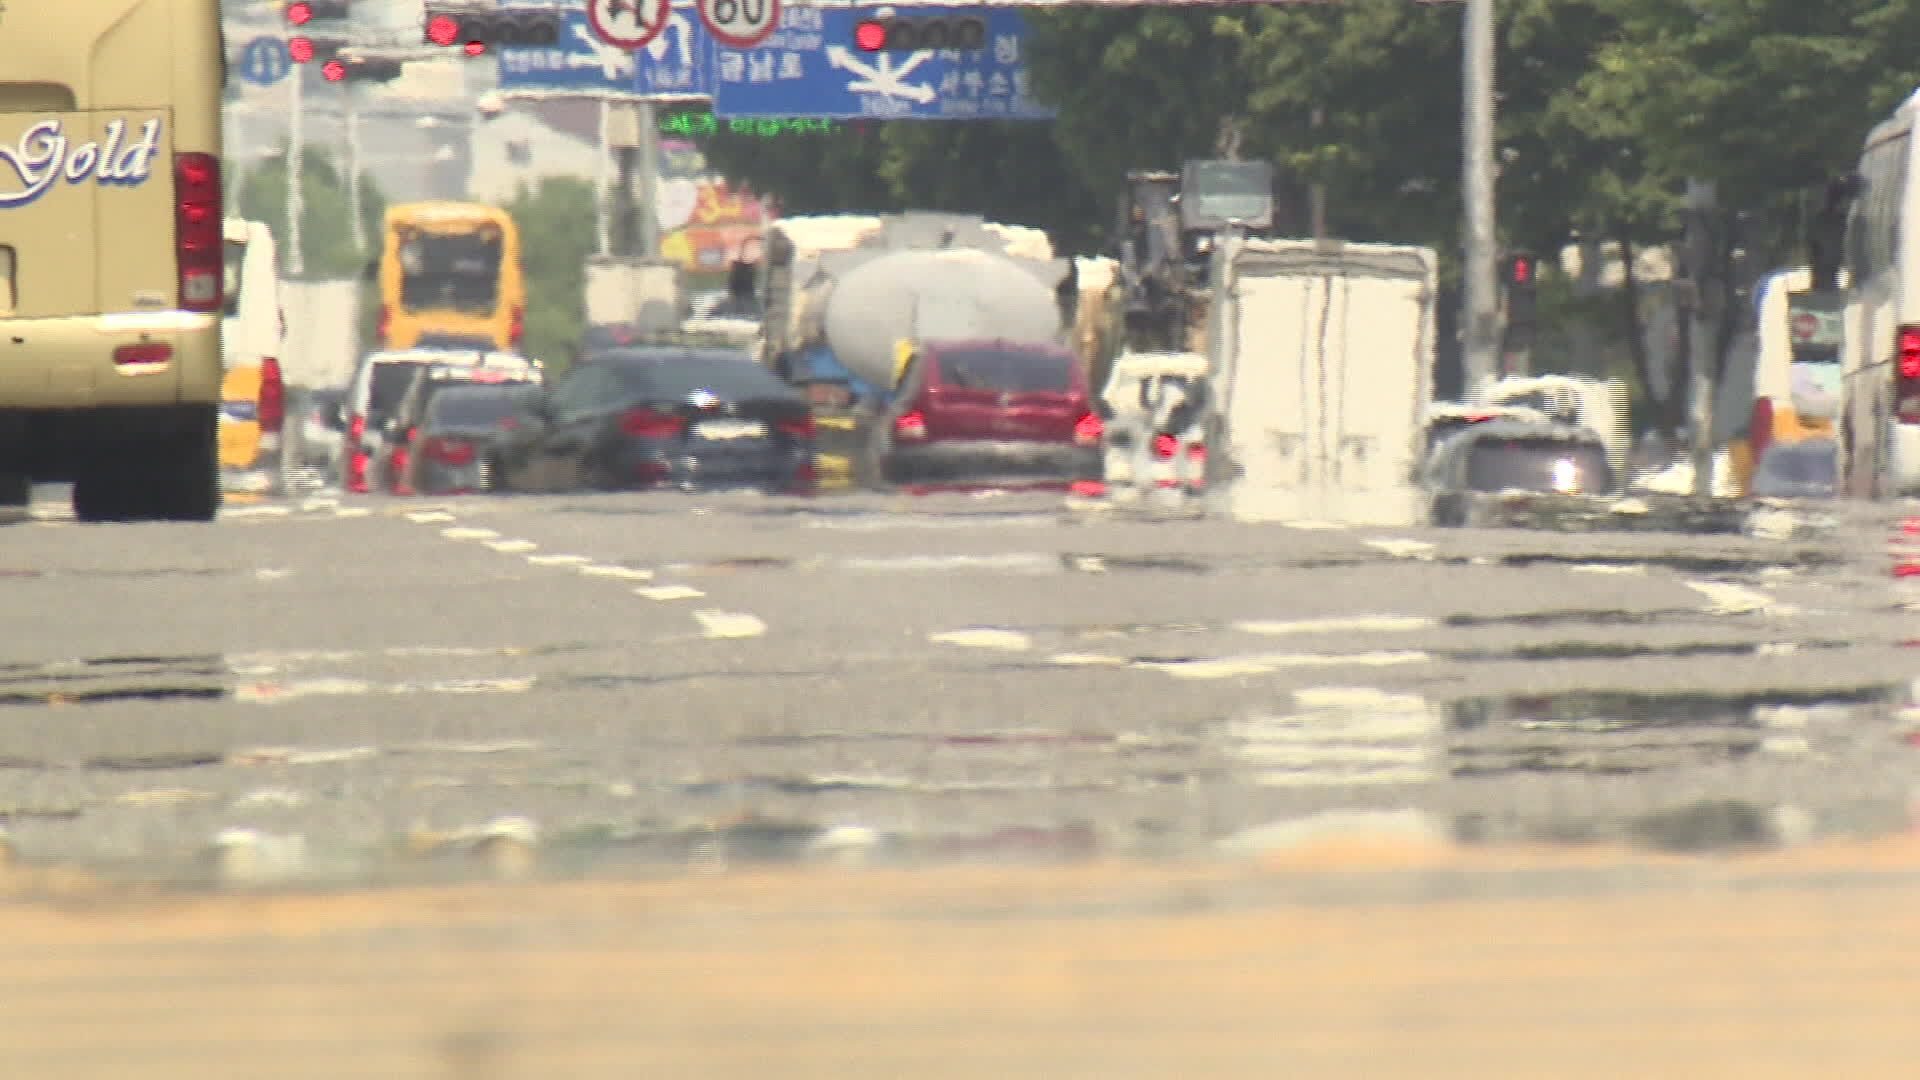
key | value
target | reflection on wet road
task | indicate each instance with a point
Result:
(356, 689)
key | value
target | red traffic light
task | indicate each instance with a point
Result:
(300, 49)
(442, 29)
(870, 35)
(1522, 269)
(333, 70)
(475, 48)
(299, 12)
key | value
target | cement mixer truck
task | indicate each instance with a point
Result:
(929, 341)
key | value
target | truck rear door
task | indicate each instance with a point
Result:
(1327, 371)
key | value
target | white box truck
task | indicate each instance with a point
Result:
(1322, 356)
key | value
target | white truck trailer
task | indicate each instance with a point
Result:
(1322, 357)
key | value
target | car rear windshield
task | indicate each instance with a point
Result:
(1528, 465)
(725, 377)
(470, 406)
(388, 386)
(1016, 371)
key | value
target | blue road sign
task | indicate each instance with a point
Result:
(810, 67)
(676, 65)
(264, 60)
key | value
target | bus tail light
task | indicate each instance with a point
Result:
(197, 236)
(517, 328)
(385, 321)
(1906, 382)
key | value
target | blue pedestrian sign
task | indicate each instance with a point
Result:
(811, 66)
(264, 60)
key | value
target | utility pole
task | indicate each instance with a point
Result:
(646, 183)
(1482, 311)
(603, 180)
(296, 159)
(352, 124)
(1317, 192)
(1702, 335)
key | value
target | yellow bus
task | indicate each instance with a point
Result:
(450, 277)
(111, 254)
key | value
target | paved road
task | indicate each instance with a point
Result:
(661, 679)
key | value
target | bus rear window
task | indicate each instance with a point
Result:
(459, 271)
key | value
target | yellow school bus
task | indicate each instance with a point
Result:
(450, 277)
(111, 254)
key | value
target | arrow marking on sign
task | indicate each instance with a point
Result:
(615, 63)
(881, 79)
(657, 48)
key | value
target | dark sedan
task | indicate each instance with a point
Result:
(634, 419)
(457, 429)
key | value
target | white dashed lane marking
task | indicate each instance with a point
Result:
(625, 572)
(512, 547)
(668, 592)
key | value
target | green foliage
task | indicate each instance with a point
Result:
(326, 240)
(557, 235)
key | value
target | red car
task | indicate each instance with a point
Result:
(988, 407)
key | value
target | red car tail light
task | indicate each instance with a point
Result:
(647, 424)
(447, 451)
(911, 426)
(273, 397)
(800, 428)
(1088, 429)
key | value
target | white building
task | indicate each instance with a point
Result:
(518, 148)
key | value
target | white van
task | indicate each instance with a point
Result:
(253, 333)
(110, 254)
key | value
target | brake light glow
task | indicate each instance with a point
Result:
(1164, 446)
(397, 469)
(1088, 429)
(799, 428)
(357, 428)
(385, 321)
(647, 424)
(198, 241)
(517, 325)
(273, 396)
(910, 425)
(357, 471)
(1907, 343)
(447, 451)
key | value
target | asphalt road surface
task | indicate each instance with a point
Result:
(617, 688)
(336, 689)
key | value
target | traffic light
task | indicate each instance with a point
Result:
(911, 33)
(305, 48)
(1522, 269)
(477, 31)
(361, 69)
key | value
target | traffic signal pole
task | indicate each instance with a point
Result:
(352, 124)
(1482, 343)
(296, 161)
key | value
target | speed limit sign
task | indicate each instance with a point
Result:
(740, 24)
